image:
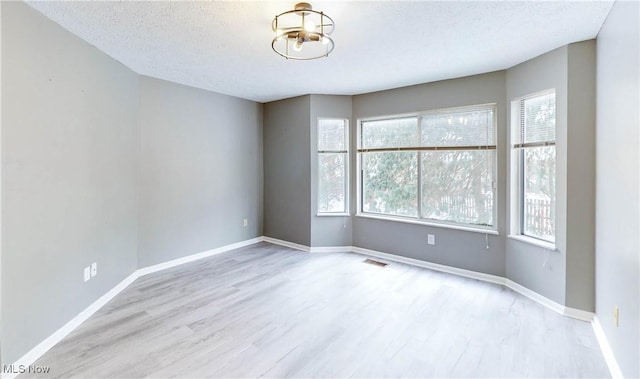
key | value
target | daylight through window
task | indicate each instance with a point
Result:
(333, 165)
(535, 157)
(436, 166)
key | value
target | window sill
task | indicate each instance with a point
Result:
(428, 223)
(333, 214)
(532, 241)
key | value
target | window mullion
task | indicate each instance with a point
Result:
(521, 191)
(359, 168)
(347, 195)
(361, 179)
(419, 166)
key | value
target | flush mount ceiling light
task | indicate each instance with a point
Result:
(302, 33)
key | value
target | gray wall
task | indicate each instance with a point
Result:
(328, 230)
(287, 184)
(455, 248)
(200, 162)
(99, 165)
(567, 274)
(68, 176)
(581, 175)
(290, 166)
(533, 267)
(617, 188)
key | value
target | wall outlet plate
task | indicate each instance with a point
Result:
(94, 269)
(431, 239)
(245, 222)
(87, 273)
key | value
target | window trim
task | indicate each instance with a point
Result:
(533, 241)
(517, 175)
(347, 166)
(429, 222)
(493, 229)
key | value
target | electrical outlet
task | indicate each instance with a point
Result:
(245, 222)
(94, 269)
(87, 273)
(616, 316)
(431, 239)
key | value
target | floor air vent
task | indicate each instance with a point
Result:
(375, 263)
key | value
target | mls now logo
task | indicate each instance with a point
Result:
(21, 369)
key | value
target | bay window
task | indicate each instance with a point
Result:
(333, 166)
(534, 160)
(436, 167)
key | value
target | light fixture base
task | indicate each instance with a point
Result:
(303, 8)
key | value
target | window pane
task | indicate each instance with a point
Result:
(402, 132)
(457, 186)
(540, 192)
(332, 185)
(390, 183)
(331, 134)
(540, 118)
(471, 128)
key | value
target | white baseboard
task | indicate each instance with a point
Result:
(330, 249)
(561, 309)
(433, 266)
(197, 256)
(34, 354)
(540, 299)
(612, 363)
(522, 290)
(578, 314)
(292, 245)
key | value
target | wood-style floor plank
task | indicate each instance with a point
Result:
(269, 311)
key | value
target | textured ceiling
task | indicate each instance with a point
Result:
(225, 46)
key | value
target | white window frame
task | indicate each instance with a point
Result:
(516, 203)
(418, 219)
(347, 164)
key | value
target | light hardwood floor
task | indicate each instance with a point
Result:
(269, 311)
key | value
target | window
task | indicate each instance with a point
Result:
(333, 165)
(436, 166)
(534, 160)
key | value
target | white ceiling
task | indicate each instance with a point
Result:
(225, 46)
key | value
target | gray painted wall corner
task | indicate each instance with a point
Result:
(200, 170)
(287, 184)
(534, 267)
(581, 172)
(68, 182)
(329, 230)
(74, 190)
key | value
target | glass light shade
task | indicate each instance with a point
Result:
(309, 26)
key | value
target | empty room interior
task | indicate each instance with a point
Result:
(329, 189)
